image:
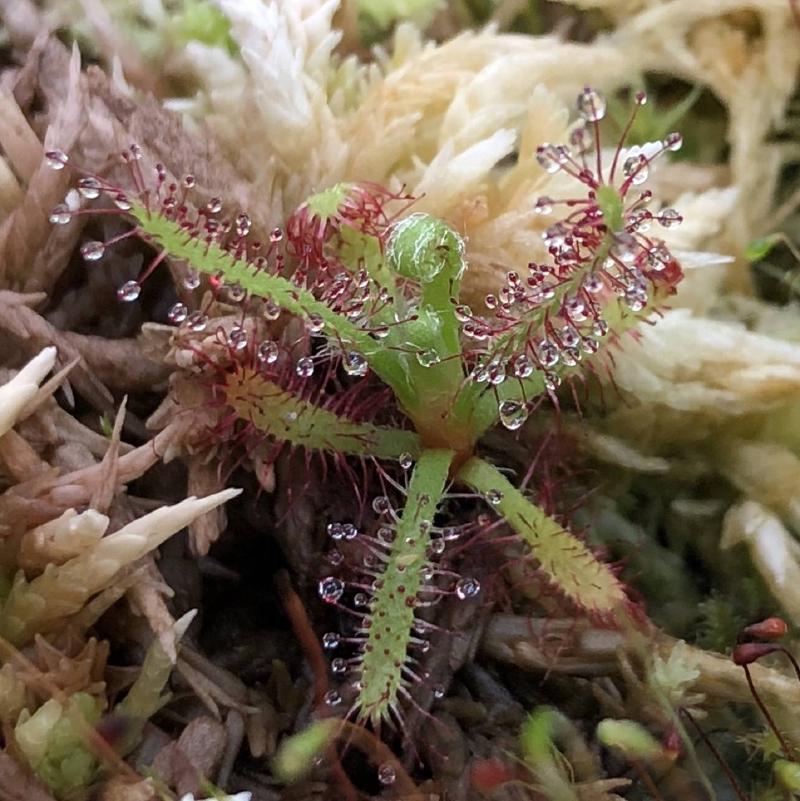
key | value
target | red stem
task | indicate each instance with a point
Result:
(742, 796)
(788, 752)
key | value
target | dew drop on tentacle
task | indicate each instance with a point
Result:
(332, 698)
(552, 381)
(93, 251)
(339, 665)
(591, 105)
(330, 589)
(270, 310)
(191, 278)
(437, 546)
(236, 293)
(593, 284)
(304, 367)
(197, 321)
(129, 291)
(462, 313)
(636, 169)
(178, 313)
(315, 323)
(427, 358)
(267, 352)
(386, 774)
(355, 364)
(673, 141)
(385, 534)
(522, 366)
(406, 461)
(512, 414)
(438, 691)
(242, 224)
(547, 353)
(121, 201)
(669, 218)
(89, 187)
(467, 588)
(237, 337)
(60, 214)
(330, 640)
(547, 158)
(494, 496)
(56, 159)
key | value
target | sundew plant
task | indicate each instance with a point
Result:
(392, 369)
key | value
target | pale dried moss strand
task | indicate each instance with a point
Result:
(61, 539)
(62, 590)
(17, 393)
(774, 551)
(765, 472)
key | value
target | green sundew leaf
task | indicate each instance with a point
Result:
(563, 558)
(357, 251)
(611, 206)
(484, 404)
(425, 250)
(392, 616)
(297, 754)
(211, 259)
(285, 416)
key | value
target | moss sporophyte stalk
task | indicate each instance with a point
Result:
(393, 370)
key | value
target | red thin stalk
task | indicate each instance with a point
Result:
(647, 780)
(741, 795)
(785, 747)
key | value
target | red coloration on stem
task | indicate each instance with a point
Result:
(746, 653)
(771, 628)
(673, 745)
(726, 769)
(486, 775)
(363, 208)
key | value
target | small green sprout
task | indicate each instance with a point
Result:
(54, 749)
(297, 754)
(629, 738)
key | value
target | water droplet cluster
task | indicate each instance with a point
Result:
(603, 264)
(421, 577)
